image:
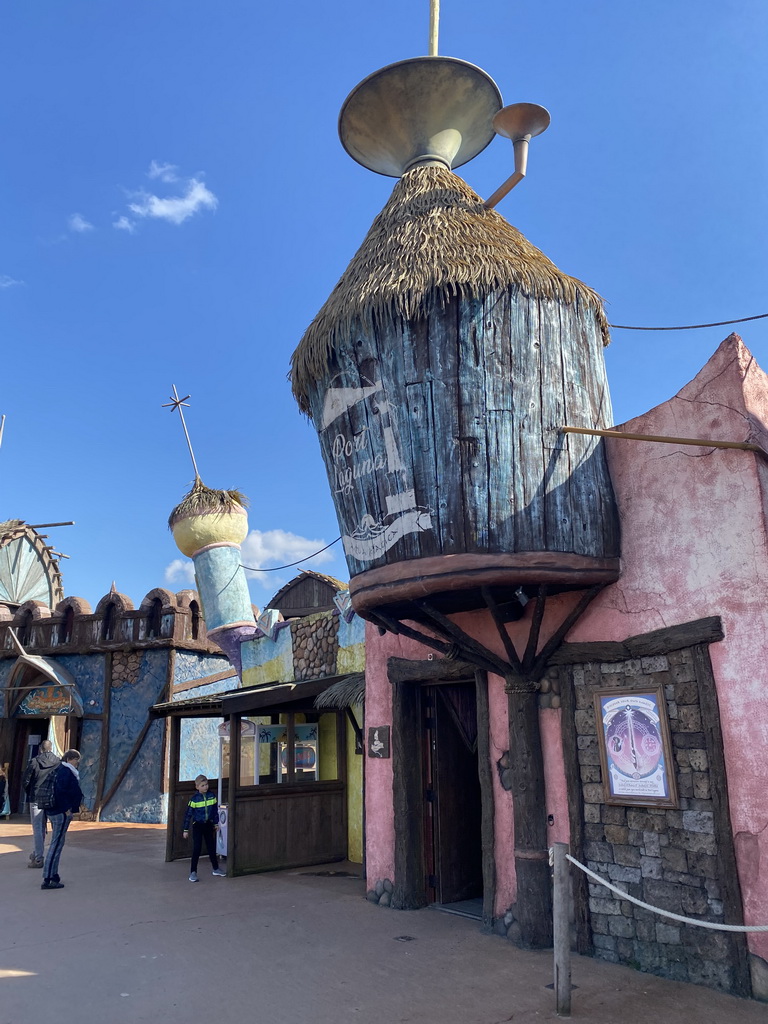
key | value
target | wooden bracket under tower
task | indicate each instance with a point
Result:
(522, 677)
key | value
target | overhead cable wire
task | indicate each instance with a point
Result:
(689, 327)
(290, 565)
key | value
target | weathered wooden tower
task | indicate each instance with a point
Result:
(439, 374)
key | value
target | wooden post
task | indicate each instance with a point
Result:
(234, 784)
(562, 931)
(174, 751)
(534, 899)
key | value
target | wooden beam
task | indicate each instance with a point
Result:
(128, 761)
(534, 896)
(728, 875)
(174, 756)
(403, 670)
(104, 746)
(529, 657)
(232, 793)
(487, 813)
(575, 795)
(471, 648)
(645, 645)
(539, 666)
(506, 639)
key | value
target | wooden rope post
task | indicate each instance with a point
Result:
(561, 923)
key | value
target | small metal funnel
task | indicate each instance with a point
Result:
(426, 110)
(519, 122)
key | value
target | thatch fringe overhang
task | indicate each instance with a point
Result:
(344, 694)
(202, 500)
(432, 241)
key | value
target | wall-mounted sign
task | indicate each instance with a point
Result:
(378, 741)
(47, 700)
(635, 748)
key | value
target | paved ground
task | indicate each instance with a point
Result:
(130, 939)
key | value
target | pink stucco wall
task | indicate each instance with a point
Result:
(693, 545)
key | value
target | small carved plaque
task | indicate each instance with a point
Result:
(378, 741)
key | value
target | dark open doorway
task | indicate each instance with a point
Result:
(452, 799)
(442, 788)
(30, 732)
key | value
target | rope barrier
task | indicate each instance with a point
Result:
(657, 910)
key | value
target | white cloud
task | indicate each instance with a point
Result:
(165, 172)
(175, 209)
(279, 547)
(181, 570)
(124, 224)
(79, 224)
(8, 282)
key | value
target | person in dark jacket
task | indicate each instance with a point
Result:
(67, 799)
(37, 769)
(203, 815)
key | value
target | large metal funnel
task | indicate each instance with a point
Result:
(426, 110)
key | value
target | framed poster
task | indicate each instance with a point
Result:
(635, 748)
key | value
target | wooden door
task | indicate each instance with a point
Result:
(453, 805)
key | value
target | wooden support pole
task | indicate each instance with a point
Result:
(561, 930)
(534, 903)
(174, 754)
(234, 782)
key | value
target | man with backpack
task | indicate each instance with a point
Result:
(60, 805)
(37, 770)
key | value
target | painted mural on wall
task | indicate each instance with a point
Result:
(121, 661)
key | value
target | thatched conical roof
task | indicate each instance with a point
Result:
(434, 239)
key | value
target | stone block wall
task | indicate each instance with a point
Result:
(673, 859)
(315, 645)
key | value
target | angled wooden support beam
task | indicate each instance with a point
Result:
(470, 648)
(549, 648)
(506, 639)
(529, 657)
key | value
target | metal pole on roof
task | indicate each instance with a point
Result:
(177, 403)
(434, 26)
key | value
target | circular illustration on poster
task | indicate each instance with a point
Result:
(634, 743)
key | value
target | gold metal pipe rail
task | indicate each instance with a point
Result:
(746, 446)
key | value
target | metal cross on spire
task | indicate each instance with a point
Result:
(177, 403)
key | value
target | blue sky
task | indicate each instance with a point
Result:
(176, 206)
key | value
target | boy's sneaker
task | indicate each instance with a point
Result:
(219, 873)
(52, 884)
(193, 877)
(35, 862)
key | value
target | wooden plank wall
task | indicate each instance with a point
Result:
(476, 393)
(290, 826)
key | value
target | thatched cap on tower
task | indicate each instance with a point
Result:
(434, 239)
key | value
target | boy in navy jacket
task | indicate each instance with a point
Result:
(203, 815)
